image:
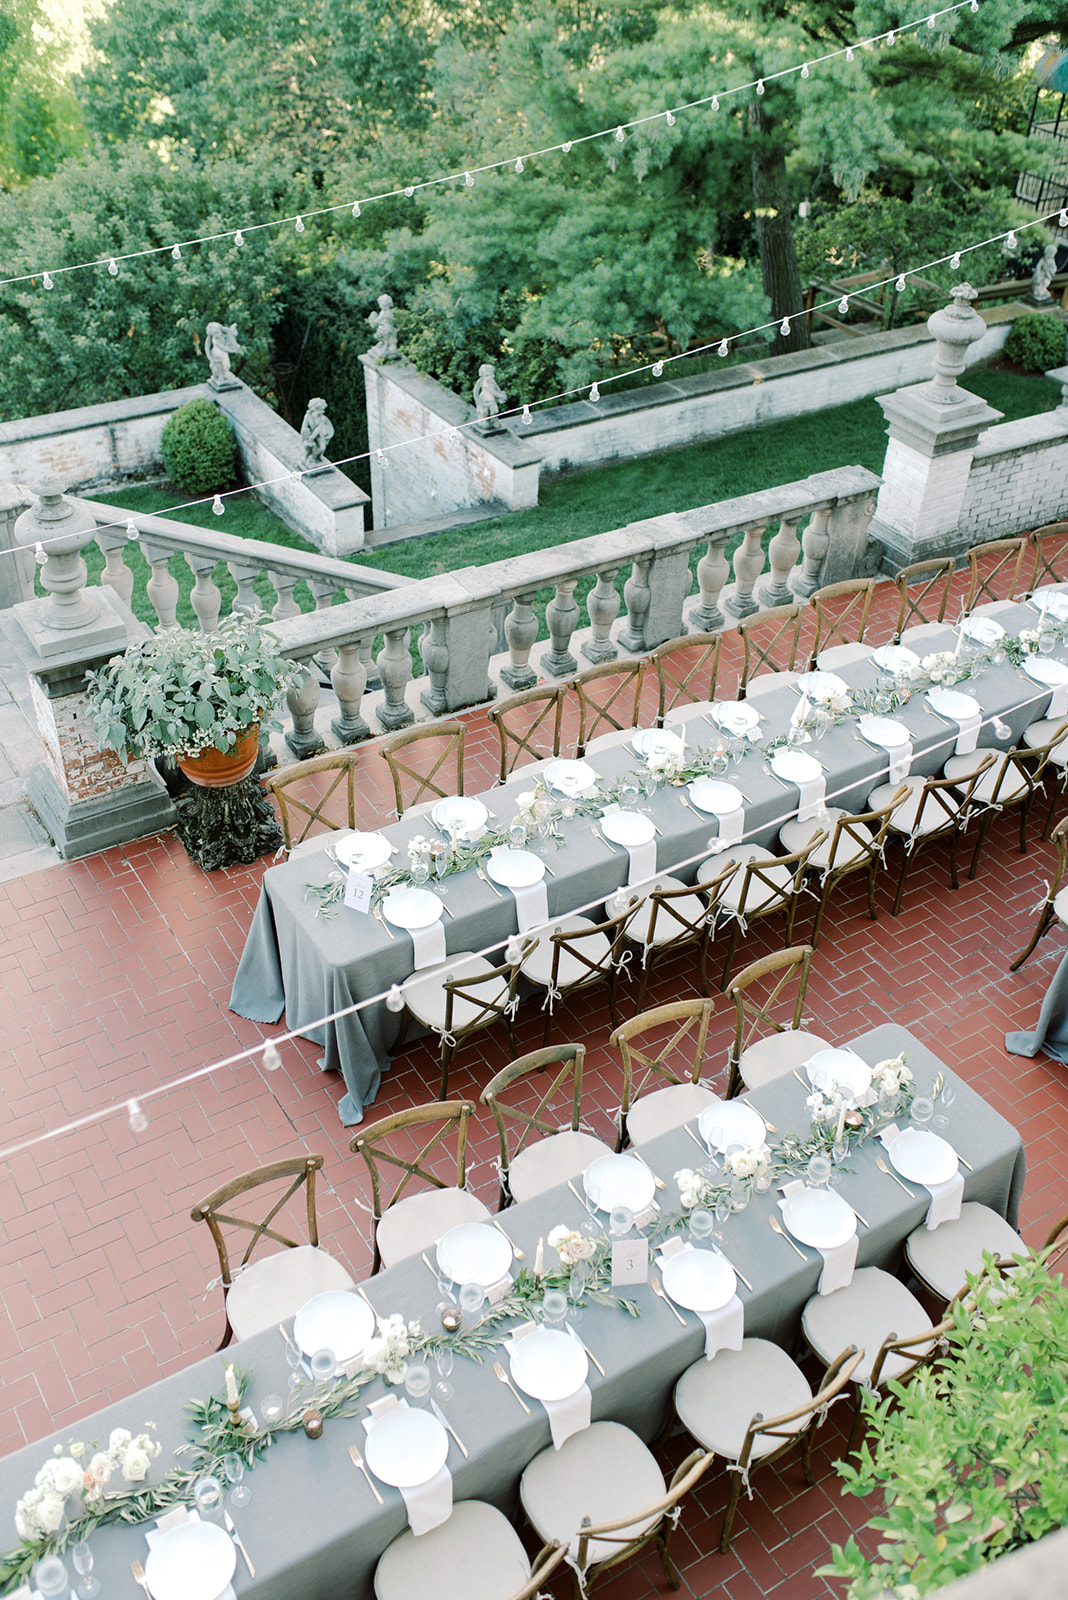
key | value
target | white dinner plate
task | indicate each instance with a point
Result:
(885, 731)
(796, 766)
(337, 1321)
(647, 740)
(700, 1280)
(895, 658)
(628, 827)
(474, 1253)
(720, 799)
(570, 777)
(819, 1217)
(822, 685)
(406, 1447)
(469, 815)
(192, 1562)
(620, 1181)
(365, 851)
(982, 630)
(1056, 601)
(515, 869)
(411, 908)
(549, 1365)
(1043, 669)
(951, 703)
(739, 1122)
(921, 1155)
(733, 716)
(845, 1071)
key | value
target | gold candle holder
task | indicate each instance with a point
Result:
(313, 1424)
(451, 1318)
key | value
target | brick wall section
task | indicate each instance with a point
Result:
(1019, 478)
(82, 771)
(93, 444)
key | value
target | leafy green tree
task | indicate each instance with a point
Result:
(40, 122)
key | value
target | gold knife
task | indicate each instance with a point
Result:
(447, 1425)
(236, 1537)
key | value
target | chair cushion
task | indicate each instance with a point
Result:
(418, 1220)
(604, 1473)
(538, 966)
(424, 993)
(777, 1054)
(663, 1109)
(795, 836)
(319, 842)
(552, 1160)
(918, 637)
(1042, 732)
(766, 681)
(1014, 786)
(477, 1541)
(1060, 906)
(865, 1313)
(904, 818)
(272, 1288)
(842, 655)
(683, 713)
(666, 926)
(941, 1256)
(760, 896)
(609, 741)
(716, 1400)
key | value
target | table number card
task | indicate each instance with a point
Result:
(358, 891)
(630, 1262)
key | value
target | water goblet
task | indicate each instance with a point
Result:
(921, 1111)
(444, 1360)
(323, 1365)
(701, 1224)
(50, 1579)
(208, 1498)
(946, 1098)
(1047, 640)
(620, 1221)
(882, 703)
(718, 762)
(628, 792)
(417, 1384)
(234, 1467)
(736, 748)
(740, 1194)
(650, 784)
(82, 1557)
(553, 1308)
(420, 871)
(517, 834)
(818, 1171)
(796, 736)
(472, 1297)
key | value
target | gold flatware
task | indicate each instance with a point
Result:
(363, 1296)
(931, 712)
(358, 1461)
(696, 1137)
(378, 913)
(876, 747)
(449, 912)
(589, 1353)
(139, 1577)
(662, 1294)
(775, 775)
(489, 881)
(659, 1182)
(608, 842)
(240, 1543)
(286, 1335)
(777, 1227)
(429, 1263)
(769, 1125)
(520, 1255)
(890, 1173)
(548, 869)
(965, 1163)
(656, 830)
(801, 1080)
(862, 1220)
(508, 1384)
(692, 808)
(447, 1425)
(738, 1274)
(580, 1198)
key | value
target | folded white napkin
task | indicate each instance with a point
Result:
(731, 827)
(176, 1519)
(839, 1260)
(900, 754)
(428, 945)
(428, 1504)
(812, 795)
(725, 1328)
(567, 1416)
(946, 1197)
(642, 861)
(1058, 702)
(531, 906)
(969, 727)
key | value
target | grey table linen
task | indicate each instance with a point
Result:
(1049, 1037)
(313, 1528)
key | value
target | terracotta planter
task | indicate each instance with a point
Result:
(216, 769)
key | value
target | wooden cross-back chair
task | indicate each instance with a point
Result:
(573, 953)
(673, 915)
(686, 670)
(765, 1046)
(856, 845)
(537, 1150)
(766, 885)
(934, 808)
(531, 722)
(925, 606)
(1010, 567)
(461, 997)
(258, 1294)
(609, 697)
(771, 640)
(619, 1536)
(416, 1143)
(1010, 783)
(310, 792)
(664, 1048)
(426, 762)
(411, 1568)
(841, 619)
(1051, 555)
(1050, 909)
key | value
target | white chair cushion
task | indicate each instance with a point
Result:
(683, 713)
(551, 1161)
(865, 1313)
(766, 681)
(796, 835)
(1060, 906)
(418, 1220)
(477, 1541)
(319, 842)
(663, 1109)
(716, 1400)
(538, 966)
(609, 741)
(604, 1473)
(918, 637)
(424, 993)
(1042, 732)
(961, 769)
(666, 925)
(777, 1054)
(842, 655)
(904, 818)
(275, 1287)
(760, 895)
(942, 1256)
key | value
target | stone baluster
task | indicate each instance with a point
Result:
(323, 590)
(285, 605)
(748, 565)
(712, 571)
(602, 603)
(814, 542)
(303, 701)
(370, 666)
(561, 619)
(205, 597)
(520, 630)
(434, 649)
(499, 614)
(349, 679)
(395, 670)
(783, 552)
(116, 573)
(637, 595)
(246, 601)
(162, 587)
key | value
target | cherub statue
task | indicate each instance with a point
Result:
(382, 323)
(1045, 268)
(220, 343)
(316, 431)
(488, 395)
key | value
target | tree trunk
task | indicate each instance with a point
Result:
(775, 235)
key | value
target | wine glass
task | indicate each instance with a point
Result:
(417, 1384)
(716, 1141)
(82, 1557)
(444, 1360)
(822, 723)
(921, 1111)
(723, 1211)
(946, 1098)
(701, 1224)
(592, 1226)
(234, 1468)
(472, 1296)
(650, 784)
(323, 1365)
(294, 1357)
(576, 1288)
(420, 871)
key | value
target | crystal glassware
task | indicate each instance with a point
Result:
(921, 1111)
(82, 1557)
(592, 1225)
(50, 1579)
(723, 1211)
(553, 1308)
(420, 871)
(444, 1360)
(472, 1297)
(818, 1171)
(294, 1356)
(208, 1498)
(417, 1383)
(702, 1223)
(272, 1410)
(620, 1221)
(323, 1365)
(576, 1288)
(234, 1467)
(940, 1120)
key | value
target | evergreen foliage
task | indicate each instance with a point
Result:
(198, 447)
(1037, 343)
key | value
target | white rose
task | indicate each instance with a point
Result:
(26, 1527)
(557, 1235)
(50, 1512)
(67, 1476)
(525, 801)
(582, 1249)
(77, 1450)
(135, 1465)
(45, 1478)
(744, 1163)
(120, 1438)
(100, 1469)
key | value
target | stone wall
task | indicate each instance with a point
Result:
(1019, 478)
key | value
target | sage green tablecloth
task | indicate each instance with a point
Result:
(313, 1529)
(310, 967)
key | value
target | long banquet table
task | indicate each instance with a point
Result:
(310, 967)
(313, 1528)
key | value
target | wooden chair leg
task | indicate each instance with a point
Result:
(728, 1515)
(1044, 922)
(731, 946)
(954, 878)
(447, 1053)
(906, 859)
(825, 892)
(984, 829)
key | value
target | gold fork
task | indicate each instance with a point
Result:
(775, 775)
(520, 1255)
(508, 1384)
(603, 840)
(358, 1461)
(479, 872)
(691, 807)
(890, 1173)
(771, 1127)
(662, 1294)
(696, 1137)
(378, 913)
(777, 1227)
(139, 1577)
(659, 1182)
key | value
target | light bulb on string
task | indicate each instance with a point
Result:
(620, 135)
(1062, 220)
(900, 284)
(843, 305)
(974, 7)
(526, 417)
(760, 86)
(931, 20)
(299, 224)
(513, 951)
(669, 119)
(356, 208)
(1010, 240)
(469, 182)
(133, 532)
(272, 1059)
(113, 267)
(176, 253)
(382, 462)
(595, 393)
(849, 52)
(519, 163)
(39, 554)
(658, 369)
(566, 147)
(784, 325)
(891, 37)
(395, 998)
(804, 70)
(47, 280)
(715, 102)
(136, 1116)
(239, 238)
(723, 347)
(410, 190)
(954, 261)
(217, 505)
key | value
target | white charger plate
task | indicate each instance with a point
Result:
(885, 731)
(921, 1155)
(719, 799)
(796, 766)
(734, 716)
(700, 1280)
(469, 815)
(822, 685)
(364, 851)
(820, 1217)
(192, 1562)
(628, 827)
(411, 908)
(648, 740)
(1056, 599)
(847, 1071)
(474, 1253)
(739, 1122)
(337, 1321)
(982, 630)
(549, 1365)
(515, 869)
(1044, 670)
(406, 1447)
(895, 658)
(951, 703)
(620, 1181)
(570, 777)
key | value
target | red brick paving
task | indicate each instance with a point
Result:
(116, 975)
